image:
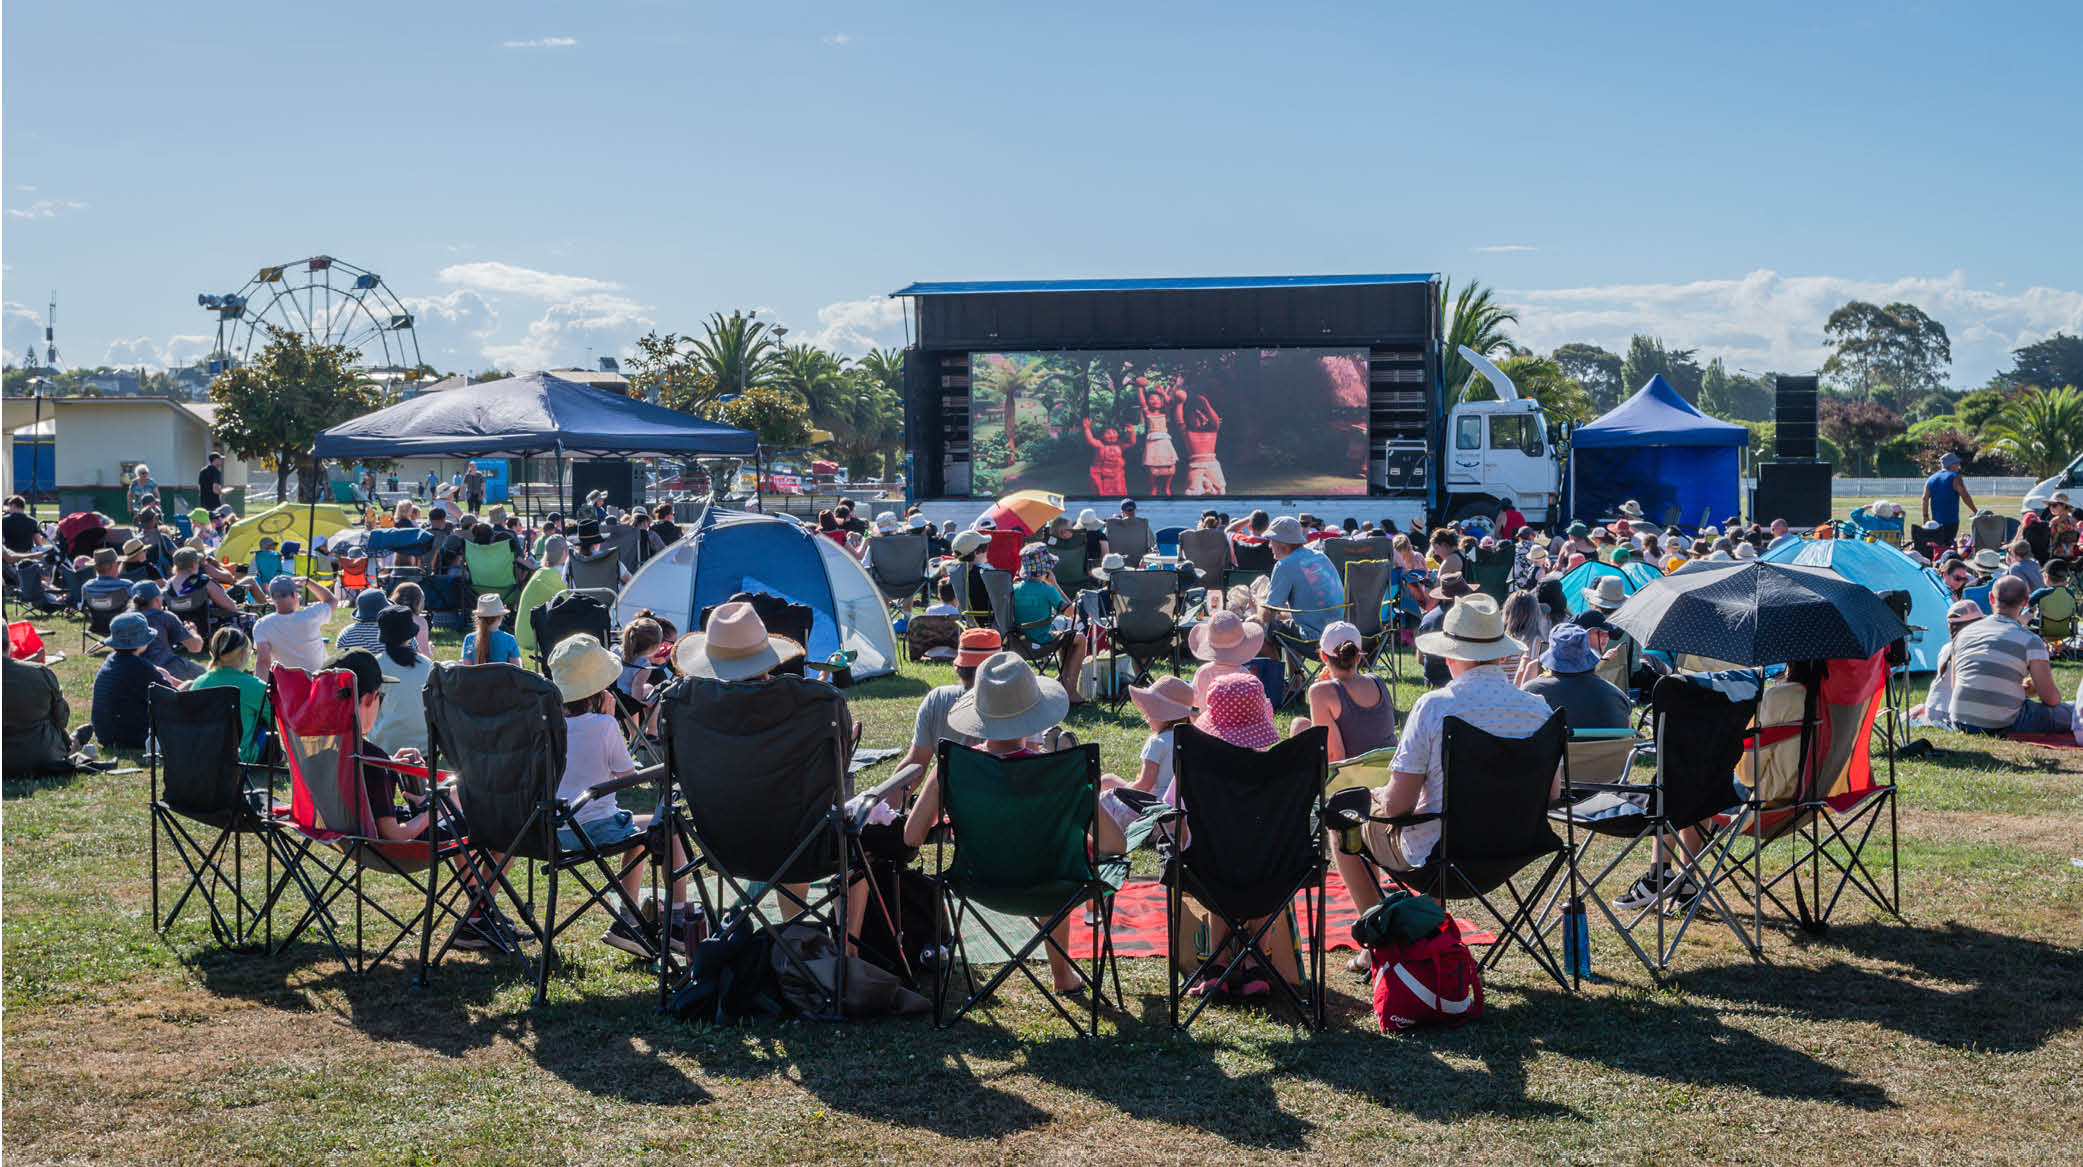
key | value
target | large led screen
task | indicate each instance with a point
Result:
(1170, 423)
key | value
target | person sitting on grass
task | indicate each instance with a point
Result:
(1009, 707)
(361, 632)
(488, 643)
(229, 652)
(585, 674)
(411, 596)
(2000, 665)
(35, 742)
(123, 683)
(171, 635)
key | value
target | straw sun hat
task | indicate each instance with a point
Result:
(1008, 702)
(1472, 631)
(734, 647)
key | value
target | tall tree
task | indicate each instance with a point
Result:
(2042, 428)
(1595, 369)
(1859, 427)
(1734, 395)
(1647, 357)
(1893, 345)
(776, 415)
(1475, 319)
(1977, 408)
(272, 407)
(1541, 379)
(2057, 360)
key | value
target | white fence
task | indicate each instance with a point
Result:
(1908, 490)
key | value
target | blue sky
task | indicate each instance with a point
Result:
(543, 179)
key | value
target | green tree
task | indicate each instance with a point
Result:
(1977, 408)
(272, 407)
(1734, 395)
(1475, 319)
(1011, 380)
(779, 418)
(819, 379)
(1859, 427)
(1542, 379)
(1647, 357)
(2057, 360)
(1595, 369)
(1893, 345)
(2040, 428)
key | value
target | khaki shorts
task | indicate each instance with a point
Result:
(1385, 843)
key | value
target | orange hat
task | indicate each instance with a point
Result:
(977, 645)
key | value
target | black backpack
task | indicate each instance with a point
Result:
(732, 976)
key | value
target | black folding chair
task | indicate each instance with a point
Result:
(973, 595)
(1020, 828)
(197, 610)
(1252, 845)
(1366, 593)
(1144, 625)
(32, 589)
(101, 608)
(1074, 563)
(569, 613)
(1036, 642)
(1130, 538)
(1208, 551)
(502, 732)
(1699, 736)
(209, 808)
(760, 768)
(897, 564)
(1501, 786)
(1342, 552)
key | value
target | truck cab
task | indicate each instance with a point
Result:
(1498, 449)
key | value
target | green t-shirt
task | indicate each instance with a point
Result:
(1034, 602)
(541, 588)
(253, 701)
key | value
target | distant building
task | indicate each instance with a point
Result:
(115, 382)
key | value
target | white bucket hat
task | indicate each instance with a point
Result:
(1089, 519)
(1008, 702)
(581, 667)
(1607, 594)
(734, 647)
(1472, 631)
(1287, 529)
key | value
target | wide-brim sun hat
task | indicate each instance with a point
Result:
(1009, 701)
(1987, 561)
(1630, 509)
(1569, 651)
(1170, 699)
(1089, 520)
(734, 647)
(1607, 594)
(1746, 550)
(1287, 529)
(1237, 711)
(1472, 631)
(490, 604)
(581, 667)
(1226, 638)
(129, 631)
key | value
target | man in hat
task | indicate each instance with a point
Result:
(108, 577)
(1572, 683)
(1471, 641)
(123, 683)
(1041, 612)
(1305, 590)
(293, 634)
(362, 632)
(929, 726)
(169, 632)
(1452, 587)
(137, 561)
(593, 549)
(1944, 491)
(2001, 666)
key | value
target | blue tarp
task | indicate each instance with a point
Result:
(1658, 450)
(529, 415)
(1883, 568)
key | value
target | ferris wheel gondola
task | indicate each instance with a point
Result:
(326, 301)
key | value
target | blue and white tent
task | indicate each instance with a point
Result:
(728, 552)
(1883, 568)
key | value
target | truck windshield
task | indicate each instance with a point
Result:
(1517, 431)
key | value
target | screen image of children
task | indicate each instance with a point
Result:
(1163, 408)
(1109, 471)
(1200, 426)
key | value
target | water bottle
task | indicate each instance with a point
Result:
(1576, 938)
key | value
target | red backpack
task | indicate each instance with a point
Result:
(1431, 979)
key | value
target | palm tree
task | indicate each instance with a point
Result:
(734, 353)
(1010, 378)
(1475, 320)
(2041, 428)
(819, 378)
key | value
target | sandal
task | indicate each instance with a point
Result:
(1255, 987)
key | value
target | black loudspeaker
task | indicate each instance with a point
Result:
(1794, 407)
(1798, 492)
(618, 476)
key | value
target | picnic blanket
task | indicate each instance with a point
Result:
(2058, 741)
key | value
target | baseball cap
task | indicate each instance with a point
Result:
(282, 585)
(1338, 634)
(145, 589)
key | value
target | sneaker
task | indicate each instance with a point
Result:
(1361, 963)
(629, 937)
(1655, 886)
(475, 935)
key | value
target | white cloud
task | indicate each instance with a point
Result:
(855, 326)
(172, 353)
(548, 42)
(1505, 248)
(582, 313)
(493, 276)
(1768, 321)
(839, 38)
(21, 328)
(26, 188)
(45, 208)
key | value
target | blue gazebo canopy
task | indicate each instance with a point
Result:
(1660, 451)
(529, 416)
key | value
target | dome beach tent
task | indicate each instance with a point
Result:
(1588, 573)
(1657, 449)
(727, 552)
(1881, 568)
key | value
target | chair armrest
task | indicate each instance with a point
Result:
(629, 781)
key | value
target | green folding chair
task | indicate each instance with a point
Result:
(491, 567)
(1019, 829)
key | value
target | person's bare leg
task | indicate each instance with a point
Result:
(1061, 972)
(1360, 886)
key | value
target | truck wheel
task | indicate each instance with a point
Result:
(1472, 507)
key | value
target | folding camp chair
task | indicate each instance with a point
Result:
(1490, 571)
(1129, 538)
(1699, 733)
(1037, 642)
(197, 609)
(1501, 786)
(1367, 583)
(1252, 845)
(1143, 624)
(760, 768)
(2055, 619)
(569, 613)
(602, 570)
(502, 732)
(897, 564)
(207, 806)
(101, 607)
(336, 840)
(1808, 777)
(491, 567)
(1342, 552)
(1991, 532)
(1208, 551)
(354, 573)
(1168, 540)
(1249, 562)
(972, 595)
(32, 589)
(1020, 829)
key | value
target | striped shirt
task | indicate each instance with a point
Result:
(1483, 697)
(360, 634)
(1992, 658)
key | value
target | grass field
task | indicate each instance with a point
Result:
(1951, 1035)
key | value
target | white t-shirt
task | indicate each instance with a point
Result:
(593, 753)
(401, 721)
(1158, 749)
(296, 639)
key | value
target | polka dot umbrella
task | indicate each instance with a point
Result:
(1753, 613)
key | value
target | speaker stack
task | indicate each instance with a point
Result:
(1794, 416)
(1797, 487)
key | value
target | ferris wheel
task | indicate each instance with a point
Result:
(326, 301)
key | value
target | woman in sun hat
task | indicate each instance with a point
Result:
(1237, 711)
(1224, 643)
(488, 643)
(734, 647)
(1606, 595)
(1007, 709)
